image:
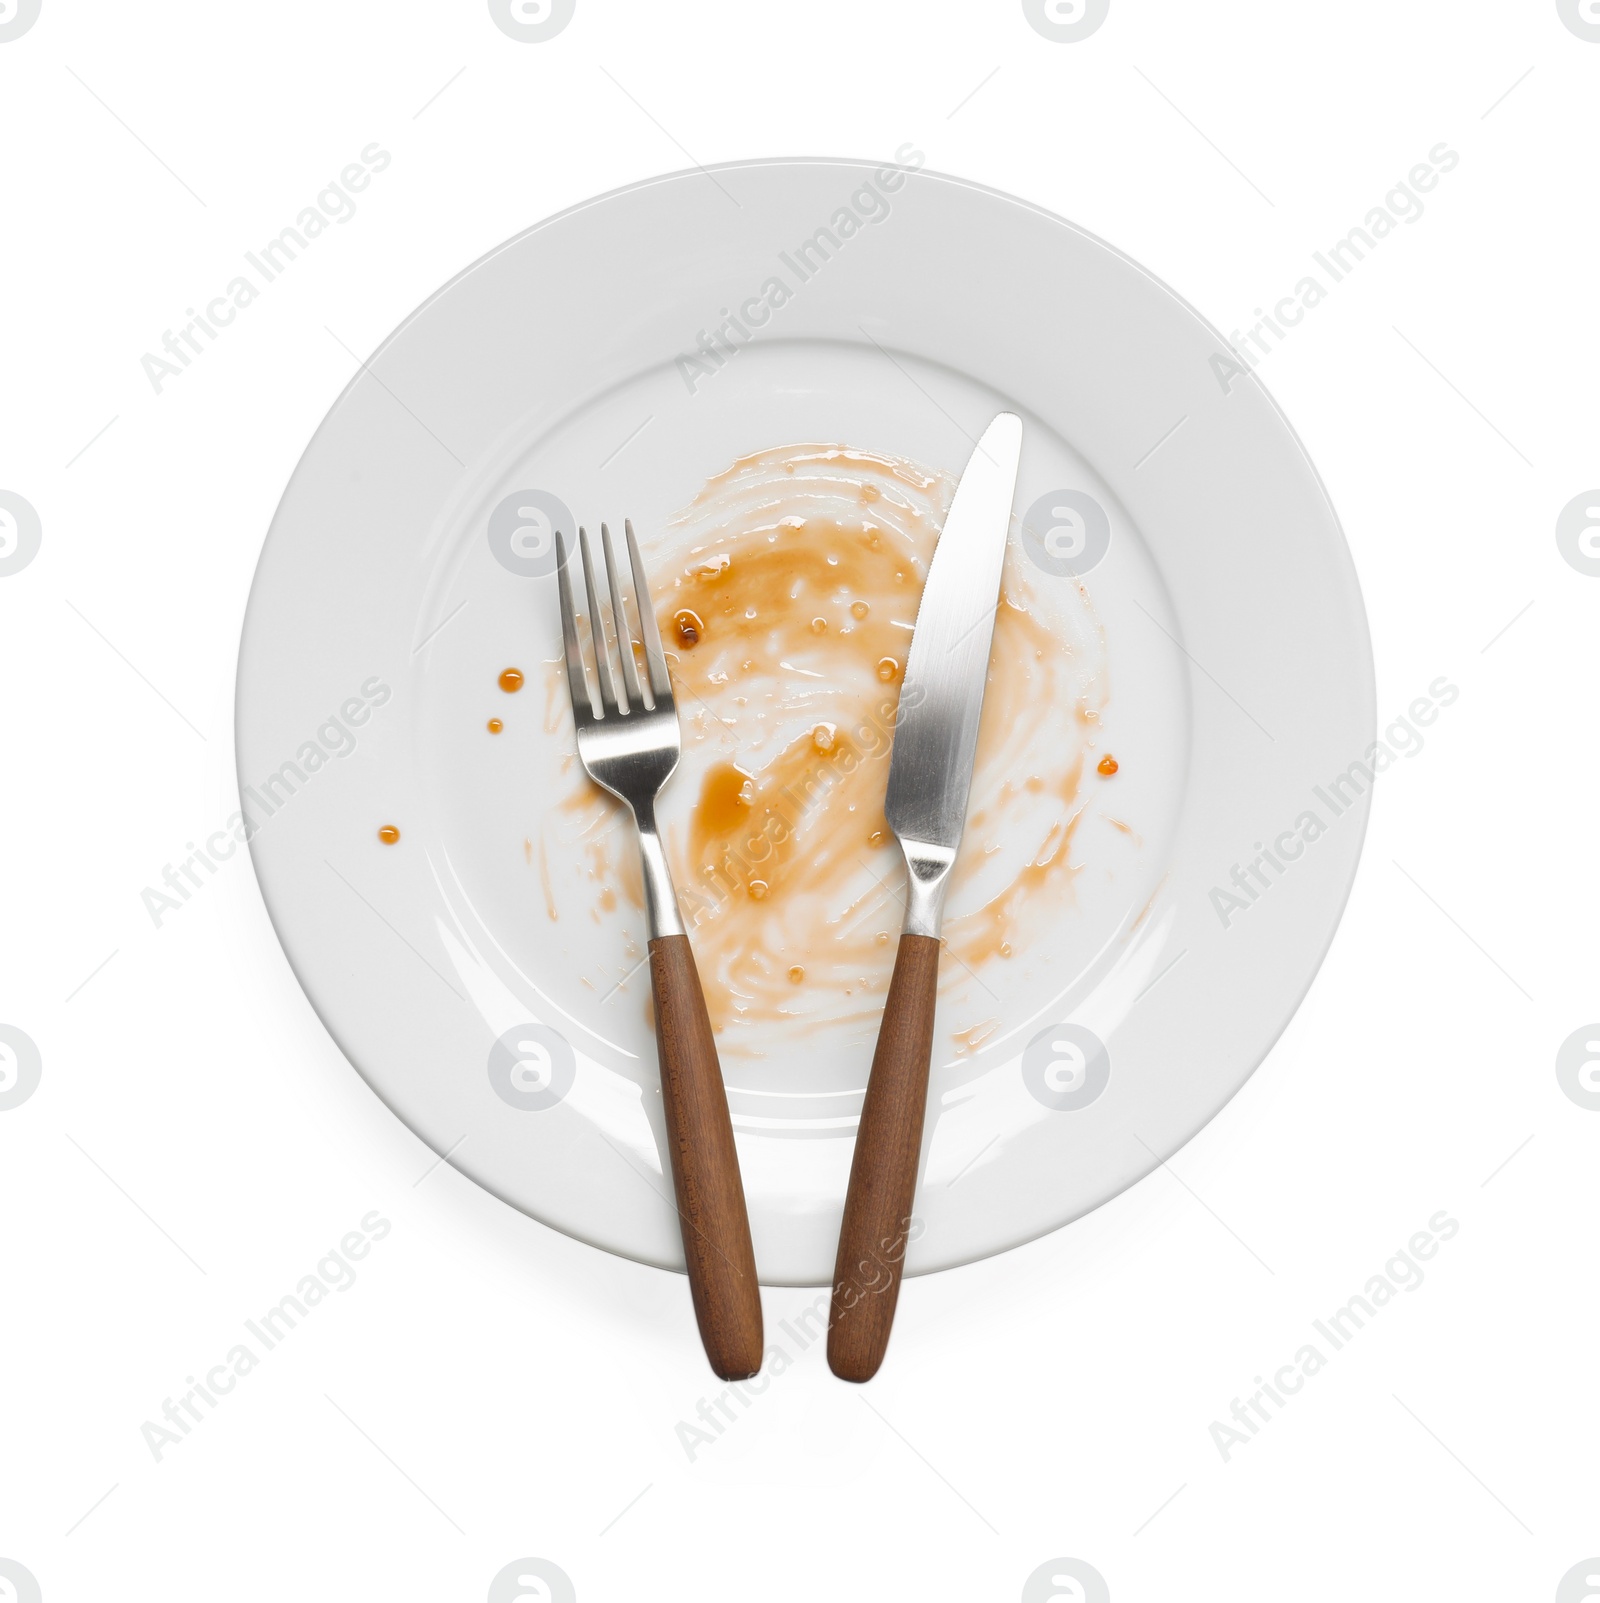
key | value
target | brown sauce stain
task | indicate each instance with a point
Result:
(786, 613)
(725, 799)
(557, 695)
(973, 1036)
(987, 933)
(603, 841)
(544, 882)
(799, 589)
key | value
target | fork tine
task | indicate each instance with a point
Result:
(597, 633)
(619, 618)
(660, 680)
(577, 684)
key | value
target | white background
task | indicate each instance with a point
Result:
(489, 1390)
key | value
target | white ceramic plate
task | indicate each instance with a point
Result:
(1221, 639)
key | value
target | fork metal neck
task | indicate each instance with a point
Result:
(660, 899)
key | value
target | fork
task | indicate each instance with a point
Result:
(628, 743)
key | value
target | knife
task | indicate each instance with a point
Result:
(930, 774)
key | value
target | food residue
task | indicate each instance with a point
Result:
(550, 908)
(388, 834)
(511, 680)
(1107, 765)
(495, 726)
(797, 589)
(787, 593)
(972, 1038)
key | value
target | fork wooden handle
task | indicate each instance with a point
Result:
(883, 1173)
(705, 1166)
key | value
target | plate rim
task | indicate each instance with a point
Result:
(1360, 617)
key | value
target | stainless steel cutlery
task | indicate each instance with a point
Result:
(930, 774)
(628, 743)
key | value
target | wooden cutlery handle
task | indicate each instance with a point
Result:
(883, 1174)
(705, 1166)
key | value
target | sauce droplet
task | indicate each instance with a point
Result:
(758, 890)
(888, 669)
(819, 626)
(1107, 766)
(689, 626)
(859, 609)
(495, 726)
(511, 680)
(796, 974)
(725, 798)
(822, 737)
(388, 834)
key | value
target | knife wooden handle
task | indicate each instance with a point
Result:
(883, 1173)
(705, 1166)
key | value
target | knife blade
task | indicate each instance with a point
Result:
(930, 778)
(941, 697)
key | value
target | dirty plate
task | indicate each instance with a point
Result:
(777, 370)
